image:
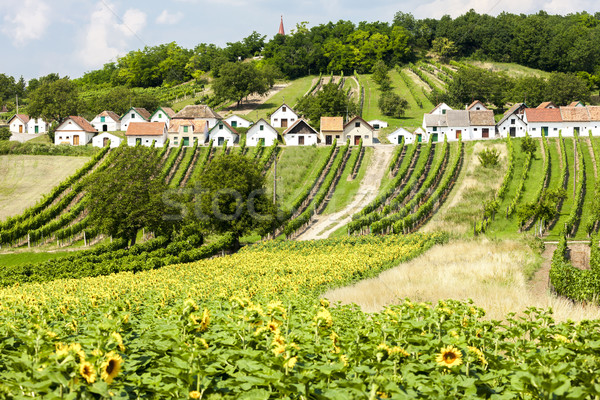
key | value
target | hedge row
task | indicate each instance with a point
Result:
(575, 213)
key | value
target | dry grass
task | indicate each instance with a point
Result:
(492, 274)
(25, 179)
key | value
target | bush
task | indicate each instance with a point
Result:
(489, 157)
(392, 105)
(5, 133)
(528, 145)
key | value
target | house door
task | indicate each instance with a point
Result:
(76, 140)
(284, 122)
(400, 139)
(186, 141)
(105, 142)
(36, 129)
(220, 141)
(419, 138)
(434, 138)
(485, 133)
(356, 140)
(512, 131)
(544, 131)
(301, 140)
(458, 133)
(138, 141)
(104, 128)
(575, 130)
(328, 139)
(20, 128)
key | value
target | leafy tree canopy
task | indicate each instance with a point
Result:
(331, 101)
(54, 100)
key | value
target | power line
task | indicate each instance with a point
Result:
(123, 22)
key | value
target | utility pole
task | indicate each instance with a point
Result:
(17, 97)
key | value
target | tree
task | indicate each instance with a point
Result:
(54, 100)
(232, 198)
(528, 145)
(240, 79)
(381, 77)
(444, 48)
(331, 101)
(392, 105)
(127, 196)
(4, 133)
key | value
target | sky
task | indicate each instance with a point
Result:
(70, 37)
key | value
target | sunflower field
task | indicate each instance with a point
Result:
(251, 325)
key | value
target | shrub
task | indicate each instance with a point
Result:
(392, 105)
(5, 133)
(528, 145)
(489, 157)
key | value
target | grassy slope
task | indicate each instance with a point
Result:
(296, 169)
(25, 179)
(11, 259)
(346, 190)
(290, 95)
(189, 153)
(512, 69)
(555, 166)
(590, 181)
(568, 203)
(535, 177)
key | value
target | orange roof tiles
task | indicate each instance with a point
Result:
(145, 129)
(543, 115)
(335, 124)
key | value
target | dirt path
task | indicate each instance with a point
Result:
(325, 225)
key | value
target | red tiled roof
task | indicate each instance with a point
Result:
(83, 123)
(199, 125)
(145, 129)
(547, 104)
(110, 114)
(594, 113)
(24, 118)
(334, 124)
(575, 114)
(543, 115)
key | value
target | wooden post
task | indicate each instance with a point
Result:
(84, 239)
(28, 240)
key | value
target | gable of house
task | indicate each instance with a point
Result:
(477, 106)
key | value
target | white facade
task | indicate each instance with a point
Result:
(238, 122)
(378, 124)
(357, 129)
(440, 109)
(482, 132)
(72, 133)
(513, 126)
(162, 115)
(131, 116)
(261, 130)
(17, 125)
(283, 117)
(223, 133)
(159, 141)
(301, 139)
(35, 126)
(105, 139)
(106, 123)
(396, 136)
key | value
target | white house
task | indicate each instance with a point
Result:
(483, 124)
(576, 119)
(237, 121)
(145, 133)
(547, 104)
(261, 131)
(377, 124)
(434, 124)
(36, 125)
(477, 106)
(221, 133)
(18, 123)
(512, 123)
(199, 112)
(75, 131)
(420, 135)
(283, 117)
(357, 129)
(188, 131)
(396, 136)
(332, 128)
(594, 119)
(163, 114)
(107, 121)
(135, 114)
(459, 126)
(543, 121)
(300, 134)
(440, 109)
(105, 139)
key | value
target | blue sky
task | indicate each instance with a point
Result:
(70, 37)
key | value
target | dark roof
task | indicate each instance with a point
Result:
(458, 118)
(436, 120)
(482, 118)
(197, 111)
(300, 126)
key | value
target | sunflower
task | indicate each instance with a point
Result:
(110, 367)
(88, 372)
(205, 320)
(194, 394)
(449, 357)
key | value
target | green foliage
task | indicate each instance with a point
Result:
(128, 195)
(392, 105)
(331, 101)
(381, 77)
(528, 145)
(54, 101)
(5, 133)
(234, 199)
(489, 157)
(444, 48)
(238, 80)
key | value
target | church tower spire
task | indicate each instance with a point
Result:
(281, 31)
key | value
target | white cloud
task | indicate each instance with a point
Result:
(106, 37)
(166, 18)
(27, 22)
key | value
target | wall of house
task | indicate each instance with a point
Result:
(477, 132)
(110, 123)
(160, 117)
(159, 141)
(127, 118)
(41, 124)
(278, 115)
(255, 134)
(65, 136)
(15, 124)
(98, 141)
(351, 131)
(240, 122)
(504, 128)
(293, 139)
(394, 138)
(226, 135)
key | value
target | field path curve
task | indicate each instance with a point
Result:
(324, 225)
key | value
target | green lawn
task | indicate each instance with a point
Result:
(555, 181)
(345, 189)
(12, 259)
(290, 95)
(297, 169)
(590, 182)
(568, 203)
(535, 178)
(189, 153)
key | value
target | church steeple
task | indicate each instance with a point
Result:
(281, 31)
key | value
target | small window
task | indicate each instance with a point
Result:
(512, 121)
(475, 129)
(435, 128)
(283, 109)
(357, 124)
(220, 126)
(102, 119)
(60, 138)
(159, 115)
(132, 116)
(185, 129)
(337, 136)
(533, 129)
(276, 119)
(292, 119)
(443, 111)
(375, 126)
(555, 129)
(366, 136)
(262, 127)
